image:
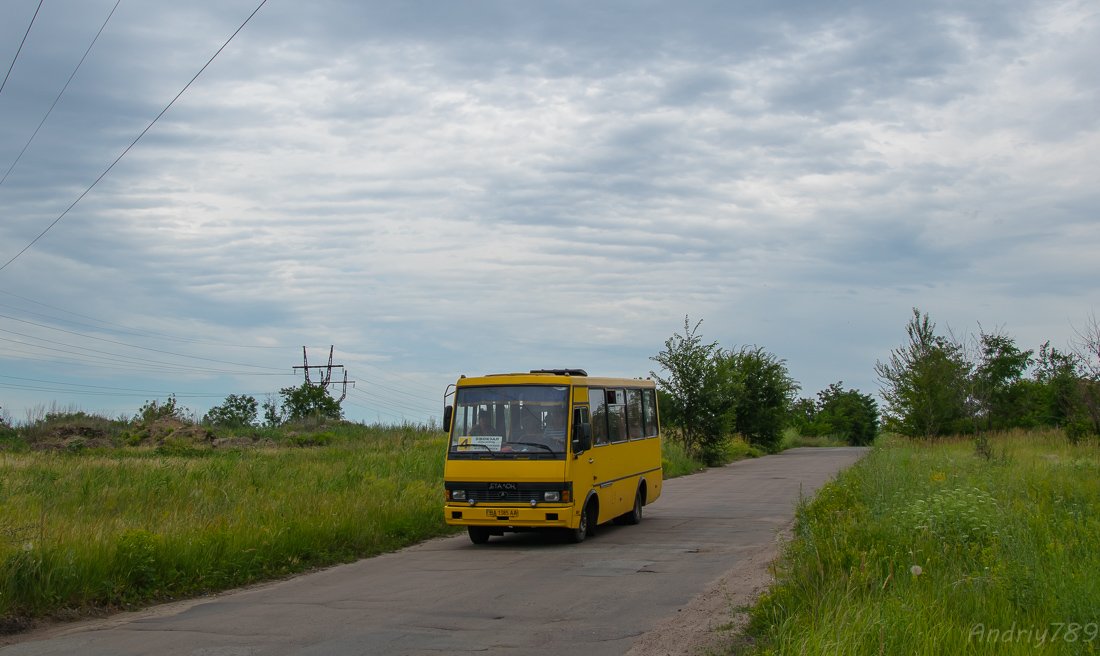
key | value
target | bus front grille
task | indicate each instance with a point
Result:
(504, 496)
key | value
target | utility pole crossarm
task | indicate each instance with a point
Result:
(325, 371)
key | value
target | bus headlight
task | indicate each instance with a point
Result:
(458, 495)
(551, 496)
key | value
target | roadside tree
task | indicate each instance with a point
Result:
(761, 392)
(1057, 393)
(308, 400)
(693, 395)
(925, 383)
(998, 394)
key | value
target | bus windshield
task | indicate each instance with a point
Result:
(510, 419)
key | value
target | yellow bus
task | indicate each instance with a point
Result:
(550, 449)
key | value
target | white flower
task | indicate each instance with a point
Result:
(28, 546)
(915, 570)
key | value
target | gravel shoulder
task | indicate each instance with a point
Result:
(708, 623)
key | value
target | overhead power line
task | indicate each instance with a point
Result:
(20, 49)
(371, 364)
(33, 388)
(183, 368)
(115, 364)
(136, 332)
(376, 410)
(143, 348)
(134, 142)
(50, 110)
(93, 387)
(389, 403)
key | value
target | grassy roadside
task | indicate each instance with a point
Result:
(940, 549)
(675, 460)
(117, 527)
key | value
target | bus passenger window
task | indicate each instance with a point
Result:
(634, 413)
(649, 409)
(597, 403)
(616, 415)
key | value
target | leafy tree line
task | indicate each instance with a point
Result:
(847, 414)
(711, 393)
(301, 402)
(940, 384)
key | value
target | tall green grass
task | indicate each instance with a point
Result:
(792, 439)
(120, 526)
(675, 460)
(939, 549)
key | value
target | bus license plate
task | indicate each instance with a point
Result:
(502, 513)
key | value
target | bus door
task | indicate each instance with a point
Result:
(585, 468)
(601, 458)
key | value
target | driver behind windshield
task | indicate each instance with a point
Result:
(484, 424)
(554, 432)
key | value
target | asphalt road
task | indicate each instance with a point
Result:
(519, 594)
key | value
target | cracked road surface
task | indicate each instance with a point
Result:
(519, 594)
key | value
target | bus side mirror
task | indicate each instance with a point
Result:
(582, 437)
(448, 412)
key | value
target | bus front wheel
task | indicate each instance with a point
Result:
(577, 535)
(478, 534)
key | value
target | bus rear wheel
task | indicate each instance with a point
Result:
(478, 534)
(635, 514)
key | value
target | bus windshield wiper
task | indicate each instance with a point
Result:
(535, 444)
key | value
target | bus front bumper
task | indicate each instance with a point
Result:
(550, 515)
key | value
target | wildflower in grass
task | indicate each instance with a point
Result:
(916, 570)
(956, 515)
(28, 546)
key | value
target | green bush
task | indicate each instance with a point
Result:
(235, 412)
(309, 401)
(845, 415)
(154, 410)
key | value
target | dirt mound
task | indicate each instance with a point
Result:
(165, 426)
(94, 443)
(66, 432)
(195, 434)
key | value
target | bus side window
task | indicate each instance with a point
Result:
(634, 413)
(597, 403)
(649, 409)
(616, 415)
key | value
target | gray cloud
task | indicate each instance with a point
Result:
(443, 189)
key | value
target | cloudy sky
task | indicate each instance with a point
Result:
(445, 188)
